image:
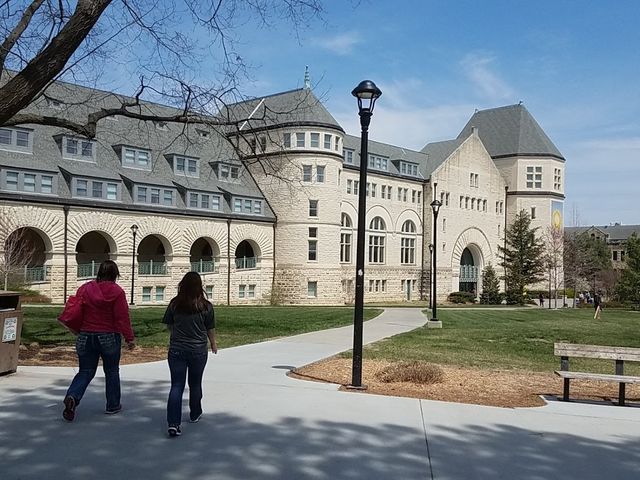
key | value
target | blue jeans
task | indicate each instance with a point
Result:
(91, 347)
(185, 364)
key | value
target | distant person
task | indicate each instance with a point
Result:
(191, 321)
(105, 319)
(541, 299)
(597, 305)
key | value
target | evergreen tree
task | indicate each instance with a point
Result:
(490, 287)
(629, 285)
(522, 257)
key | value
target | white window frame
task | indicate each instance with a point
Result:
(186, 163)
(134, 160)
(13, 145)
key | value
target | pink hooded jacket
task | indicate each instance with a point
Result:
(105, 309)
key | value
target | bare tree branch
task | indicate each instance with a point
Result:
(16, 33)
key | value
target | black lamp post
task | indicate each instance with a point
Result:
(430, 275)
(367, 93)
(435, 207)
(134, 231)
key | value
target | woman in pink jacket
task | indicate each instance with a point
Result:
(105, 319)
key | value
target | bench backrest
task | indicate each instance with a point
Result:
(596, 351)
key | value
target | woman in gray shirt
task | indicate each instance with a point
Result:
(191, 321)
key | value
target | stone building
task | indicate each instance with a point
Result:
(266, 211)
(615, 236)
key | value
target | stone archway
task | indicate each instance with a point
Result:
(471, 252)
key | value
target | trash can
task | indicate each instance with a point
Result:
(11, 328)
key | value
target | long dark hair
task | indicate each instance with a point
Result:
(191, 297)
(108, 271)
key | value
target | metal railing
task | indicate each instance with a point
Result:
(468, 273)
(88, 270)
(203, 266)
(152, 268)
(246, 262)
(36, 274)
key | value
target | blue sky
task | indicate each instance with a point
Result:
(574, 64)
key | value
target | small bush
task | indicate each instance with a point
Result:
(461, 297)
(414, 372)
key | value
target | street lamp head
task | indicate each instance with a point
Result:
(435, 206)
(134, 228)
(431, 248)
(367, 93)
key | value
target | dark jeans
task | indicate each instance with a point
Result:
(183, 365)
(91, 347)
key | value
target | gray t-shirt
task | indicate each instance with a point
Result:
(189, 330)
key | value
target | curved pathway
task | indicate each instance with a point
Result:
(261, 424)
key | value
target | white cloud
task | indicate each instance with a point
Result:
(479, 68)
(342, 44)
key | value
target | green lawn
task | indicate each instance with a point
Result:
(512, 339)
(236, 325)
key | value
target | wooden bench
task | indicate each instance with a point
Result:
(619, 354)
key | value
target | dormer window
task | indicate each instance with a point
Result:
(228, 173)
(187, 166)
(409, 169)
(16, 139)
(135, 158)
(203, 133)
(74, 148)
(378, 162)
(348, 156)
(161, 125)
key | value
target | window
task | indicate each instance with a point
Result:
(466, 202)
(209, 291)
(96, 189)
(501, 206)
(29, 182)
(446, 199)
(146, 294)
(348, 156)
(307, 172)
(615, 255)
(132, 157)
(484, 205)
(46, 184)
(473, 204)
(473, 180)
(81, 188)
(374, 187)
(378, 163)
(462, 202)
(245, 205)
(409, 169)
(337, 144)
(263, 143)
(327, 141)
(414, 196)
(320, 173)
(383, 191)
(405, 194)
(313, 244)
(11, 182)
(185, 166)
(300, 140)
(389, 192)
(534, 177)
(349, 184)
(533, 213)
(444, 225)
(312, 289)
(36, 182)
(356, 183)
(78, 149)
(241, 291)
(408, 243)
(16, 139)
(153, 195)
(112, 191)
(315, 140)
(376, 240)
(227, 172)
(313, 208)
(251, 290)
(345, 238)
(160, 294)
(557, 179)
(287, 140)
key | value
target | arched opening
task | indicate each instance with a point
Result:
(24, 257)
(91, 250)
(377, 236)
(152, 256)
(468, 273)
(245, 255)
(346, 234)
(204, 256)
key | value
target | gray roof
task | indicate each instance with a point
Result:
(510, 131)
(163, 143)
(437, 153)
(614, 233)
(393, 153)
(295, 107)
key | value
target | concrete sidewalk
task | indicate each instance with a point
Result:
(261, 424)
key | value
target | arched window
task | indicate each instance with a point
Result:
(408, 243)
(376, 240)
(346, 235)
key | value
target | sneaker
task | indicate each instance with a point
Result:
(174, 431)
(69, 412)
(112, 411)
(195, 419)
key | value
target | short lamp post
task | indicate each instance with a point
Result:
(134, 232)
(435, 207)
(367, 93)
(431, 275)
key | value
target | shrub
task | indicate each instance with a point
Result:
(414, 372)
(461, 297)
